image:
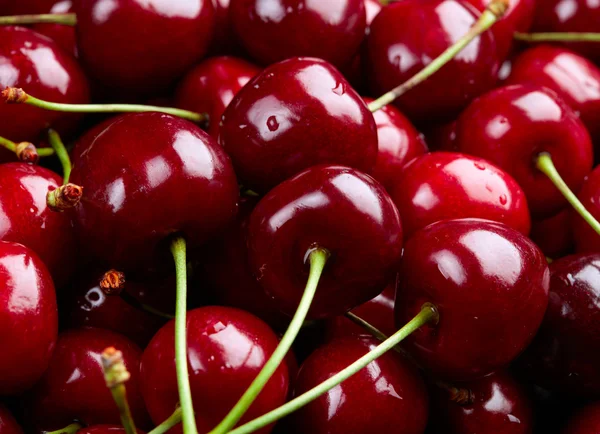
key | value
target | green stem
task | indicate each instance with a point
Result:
(62, 154)
(428, 314)
(65, 19)
(70, 429)
(557, 37)
(318, 258)
(495, 10)
(172, 421)
(178, 250)
(115, 375)
(25, 151)
(544, 163)
(365, 325)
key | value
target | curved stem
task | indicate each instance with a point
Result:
(557, 37)
(495, 10)
(318, 258)
(70, 429)
(428, 314)
(172, 421)
(544, 163)
(62, 154)
(115, 375)
(365, 325)
(178, 250)
(65, 19)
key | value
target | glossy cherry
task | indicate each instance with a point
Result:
(510, 126)
(554, 235)
(73, 387)
(335, 208)
(294, 115)
(158, 41)
(227, 348)
(151, 160)
(8, 424)
(585, 421)
(586, 239)
(388, 396)
(210, 87)
(28, 318)
(447, 185)
(490, 285)
(408, 35)
(62, 35)
(105, 429)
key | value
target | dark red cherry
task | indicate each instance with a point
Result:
(37, 64)
(408, 35)
(574, 78)
(105, 429)
(279, 29)
(399, 142)
(73, 387)
(25, 217)
(28, 318)
(388, 396)
(8, 424)
(294, 115)
(554, 235)
(585, 421)
(586, 239)
(158, 41)
(146, 177)
(226, 349)
(335, 208)
(510, 126)
(499, 405)
(210, 87)
(447, 185)
(62, 35)
(490, 285)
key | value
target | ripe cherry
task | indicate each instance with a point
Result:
(586, 239)
(8, 424)
(61, 34)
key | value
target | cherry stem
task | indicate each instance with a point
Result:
(544, 163)
(494, 11)
(428, 315)
(178, 250)
(70, 429)
(557, 37)
(365, 325)
(25, 151)
(458, 395)
(64, 19)
(318, 259)
(64, 197)
(172, 421)
(116, 375)
(12, 95)
(61, 152)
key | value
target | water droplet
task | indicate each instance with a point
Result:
(272, 123)
(503, 199)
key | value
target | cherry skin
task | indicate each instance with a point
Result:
(210, 87)
(586, 239)
(585, 421)
(8, 424)
(145, 60)
(105, 429)
(554, 235)
(227, 348)
(62, 35)
(388, 396)
(28, 318)
(296, 114)
(73, 387)
(172, 166)
(407, 35)
(448, 185)
(510, 126)
(490, 285)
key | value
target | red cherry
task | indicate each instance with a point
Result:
(408, 35)
(226, 349)
(586, 239)
(61, 34)
(490, 285)
(585, 421)
(294, 115)
(105, 429)
(511, 126)
(210, 87)
(8, 424)
(554, 235)
(447, 185)
(73, 387)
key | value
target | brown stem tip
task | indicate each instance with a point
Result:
(115, 372)
(14, 95)
(498, 7)
(64, 197)
(27, 153)
(113, 282)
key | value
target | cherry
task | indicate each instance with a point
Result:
(334, 208)
(585, 421)
(28, 318)
(210, 87)
(294, 115)
(73, 387)
(407, 35)
(586, 239)
(498, 404)
(32, 60)
(490, 285)
(398, 143)
(63, 35)
(226, 349)
(554, 235)
(511, 126)
(447, 185)
(105, 429)
(8, 424)
(388, 396)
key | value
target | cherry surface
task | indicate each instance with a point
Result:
(447, 185)
(554, 235)
(28, 318)
(280, 29)
(510, 126)
(8, 424)
(227, 348)
(62, 35)
(210, 87)
(388, 396)
(586, 239)
(147, 177)
(585, 421)
(408, 35)
(73, 387)
(335, 208)
(490, 285)
(294, 115)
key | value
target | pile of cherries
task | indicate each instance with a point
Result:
(299, 216)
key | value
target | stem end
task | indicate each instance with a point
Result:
(113, 282)
(115, 372)
(14, 95)
(27, 153)
(64, 197)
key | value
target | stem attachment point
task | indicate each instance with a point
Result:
(113, 282)
(64, 197)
